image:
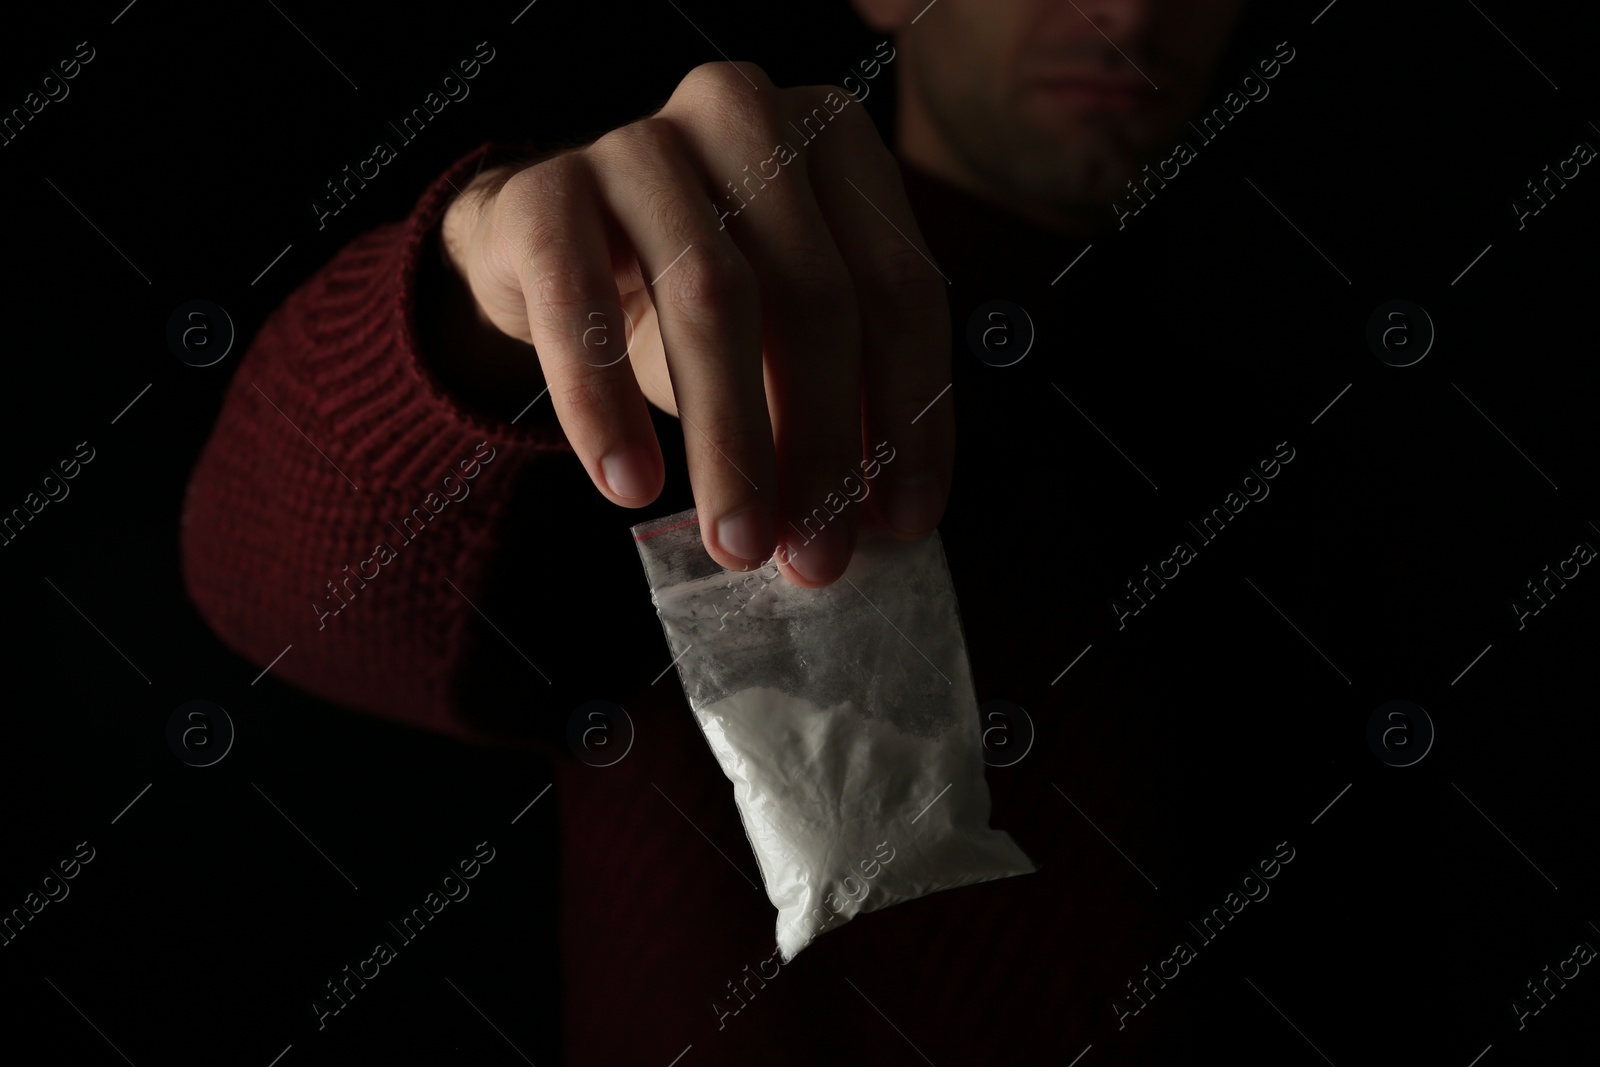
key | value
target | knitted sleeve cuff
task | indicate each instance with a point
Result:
(364, 362)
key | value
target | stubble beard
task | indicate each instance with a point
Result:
(1069, 174)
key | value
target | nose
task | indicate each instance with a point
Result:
(1119, 20)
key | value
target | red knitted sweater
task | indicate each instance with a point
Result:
(345, 522)
(338, 452)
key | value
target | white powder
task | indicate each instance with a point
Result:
(844, 716)
(828, 798)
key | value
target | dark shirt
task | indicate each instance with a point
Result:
(1199, 532)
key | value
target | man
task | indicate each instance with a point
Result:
(791, 309)
(1032, 105)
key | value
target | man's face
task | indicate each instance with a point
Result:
(1040, 105)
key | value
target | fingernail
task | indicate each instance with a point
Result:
(629, 473)
(915, 505)
(824, 557)
(746, 534)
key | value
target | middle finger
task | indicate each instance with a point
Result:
(811, 329)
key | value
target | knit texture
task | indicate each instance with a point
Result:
(337, 438)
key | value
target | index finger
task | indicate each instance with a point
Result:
(708, 310)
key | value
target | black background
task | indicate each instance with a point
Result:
(195, 141)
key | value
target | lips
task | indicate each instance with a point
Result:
(1096, 94)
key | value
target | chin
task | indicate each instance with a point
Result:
(1095, 178)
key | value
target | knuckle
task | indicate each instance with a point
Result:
(906, 284)
(549, 264)
(655, 136)
(584, 397)
(735, 93)
(533, 218)
(708, 284)
(643, 142)
(609, 144)
(819, 282)
(732, 437)
(741, 79)
(671, 208)
(821, 444)
(557, 287)
(534, 232)
(529, 189)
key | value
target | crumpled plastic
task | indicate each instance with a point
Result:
(845, 718)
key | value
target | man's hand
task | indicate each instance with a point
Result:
(797, 337)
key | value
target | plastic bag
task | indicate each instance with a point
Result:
(845, 717)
